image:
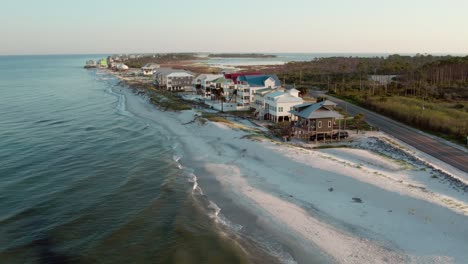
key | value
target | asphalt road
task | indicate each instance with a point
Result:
(431, 145)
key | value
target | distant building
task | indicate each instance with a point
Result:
(120, 67)
(173, 80)
(102, 63)
(90, 64)
(148, 69)
(382, 79)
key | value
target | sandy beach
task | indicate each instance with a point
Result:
(356, 205)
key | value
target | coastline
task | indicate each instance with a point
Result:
(296, 198)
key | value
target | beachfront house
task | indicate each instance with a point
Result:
(120, 67)
(315, 120)
(248, 84)
(231, 83)
(102, 63)
(221, 87)
(148, 69)
(275, 104)
(203, 84)
(173, 80)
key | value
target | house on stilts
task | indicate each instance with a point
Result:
(316, 121)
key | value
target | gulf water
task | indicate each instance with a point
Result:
(83, 180)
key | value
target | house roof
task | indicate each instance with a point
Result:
(220, 80)
(258, 80)
(208, 77)
(233, 76)
(213, 77)
(325, 103)
(329, 103)
(150, 66)
(293, 90)
(303, 105)
(314, 111)
(282, 97)
(264, 90)
(287, 98)
(179, 74)
(276, 94)
(169, 71)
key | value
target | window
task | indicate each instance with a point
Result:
(329, 123)
(280, 109)
(319, 124)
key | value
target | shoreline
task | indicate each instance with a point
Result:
(375, 240)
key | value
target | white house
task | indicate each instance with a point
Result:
(173, 80)
(203, 83)
(249, 84)
(149, 69)
(120, 67)
(276, 105)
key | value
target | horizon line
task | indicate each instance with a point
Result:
(229, 52)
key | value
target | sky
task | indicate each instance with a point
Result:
(147, 26)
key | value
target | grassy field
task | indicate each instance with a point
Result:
(168, 101)
(442, 118)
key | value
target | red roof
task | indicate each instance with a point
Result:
(233, 76)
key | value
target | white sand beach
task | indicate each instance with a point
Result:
(355, 204)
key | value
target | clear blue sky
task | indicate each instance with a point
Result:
(111, 26)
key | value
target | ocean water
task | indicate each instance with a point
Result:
(282, 58)
(84, 180)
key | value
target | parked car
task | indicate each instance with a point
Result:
(342, 134)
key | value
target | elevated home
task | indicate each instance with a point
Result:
(148, 69)
(259, 101)
(277, 105)
(234, 76)
(173, 80)
(204, 83)
(102, 63)
(119, 67)
(231, 84)
(222, 86)
(315, 120)
(248, 84)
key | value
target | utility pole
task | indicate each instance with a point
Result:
(300, 77)
(346, 111)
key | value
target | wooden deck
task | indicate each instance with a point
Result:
(306, 132)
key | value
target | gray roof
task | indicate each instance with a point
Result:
(259, 91)
(167, 71)
(150, 66)
(315, 110)
(275, 94)
(325, 103)
(329, 103)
